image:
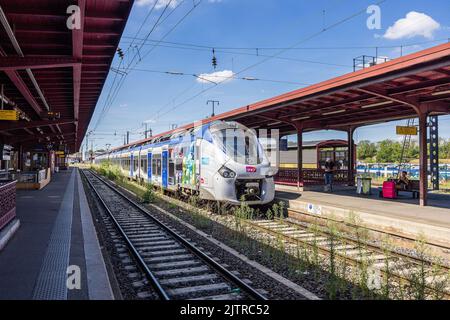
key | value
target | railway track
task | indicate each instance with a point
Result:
(401, 267)
(174, 267)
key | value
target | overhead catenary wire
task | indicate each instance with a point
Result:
(106, 104)
(258, 54)
(114, 90)
(260, 48)
(296, 44)
(127, 70)
(196, 75)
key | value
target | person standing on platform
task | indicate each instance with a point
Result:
(329, 171)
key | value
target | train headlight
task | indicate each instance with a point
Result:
(226, 172)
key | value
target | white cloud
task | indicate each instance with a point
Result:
(218, 76)
(414, 24)
(159, 5)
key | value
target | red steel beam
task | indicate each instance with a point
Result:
(77, 52)
(32, 124)
(383, 94)
(19, 63)
(23, 89)
(41, 137)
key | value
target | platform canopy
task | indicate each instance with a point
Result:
(398, 89)
(53, 71)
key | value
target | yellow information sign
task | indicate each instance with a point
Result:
(406, 130)
(10, 115)
(59, 153)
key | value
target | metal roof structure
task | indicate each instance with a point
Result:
(394, 90)
(48, 65)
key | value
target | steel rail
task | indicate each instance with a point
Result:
(205, 258)
(148, 273)
(369, 229)
(373, 249)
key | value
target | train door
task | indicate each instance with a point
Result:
(139, 168)
(131, 164)
(172, 178)
(149, 166)
(165, 173)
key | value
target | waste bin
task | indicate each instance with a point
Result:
(363, 185)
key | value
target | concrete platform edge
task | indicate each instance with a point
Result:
(434, 234)
(8, 232)
(99, 287)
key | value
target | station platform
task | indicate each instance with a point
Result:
(56, 238)
(402, 216)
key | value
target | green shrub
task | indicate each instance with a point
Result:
(149, 194)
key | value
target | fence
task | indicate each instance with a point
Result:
(7, 202)
(288, 176)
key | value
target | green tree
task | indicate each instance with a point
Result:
(366, 150)
(389, 151)
(413, 151)
(444, 148)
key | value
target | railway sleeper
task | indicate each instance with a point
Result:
(174, 264)
(160, 248)
(181, 271)
(200, 290)
(132, 226)
(169, 258)
(202, 278)
(149, 239)
(146, 234)
(162, 252)
(296, 233)
(141, 232)
(227, 296)
(151, 244)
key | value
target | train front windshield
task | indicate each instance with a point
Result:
(239, 144)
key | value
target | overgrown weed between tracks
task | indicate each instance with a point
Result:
(302, 261)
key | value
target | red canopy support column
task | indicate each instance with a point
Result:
(299, 129)
(423, 158)
(351, 158)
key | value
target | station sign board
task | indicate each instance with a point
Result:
(403, 130)
(9, 115)
(60, 153)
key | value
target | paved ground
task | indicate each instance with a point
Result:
(54, 224)
(437, 213)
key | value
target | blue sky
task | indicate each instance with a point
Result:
(162, 99)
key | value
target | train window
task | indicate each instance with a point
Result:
(156, 165)
(135, 164)
(179, 165)
(171, 170)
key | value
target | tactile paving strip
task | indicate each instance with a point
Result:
(51, 282)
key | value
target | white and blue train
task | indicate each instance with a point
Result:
(221, 161)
